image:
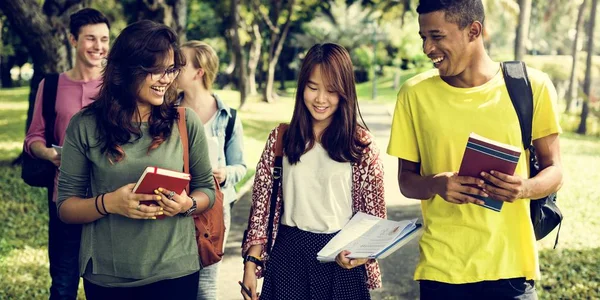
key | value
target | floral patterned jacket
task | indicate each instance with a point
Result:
(367, 197)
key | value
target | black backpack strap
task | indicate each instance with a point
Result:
(230, 124)
(521, 95)
(49, 106)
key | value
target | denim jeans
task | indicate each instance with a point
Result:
(63, 254)
(208, 281)
(512, 288)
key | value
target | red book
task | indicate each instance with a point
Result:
(153, 177)
(484, 155)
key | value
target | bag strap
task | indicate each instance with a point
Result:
(277, 171)
(181, 123)
(521, 95)
(230, 125)
(48, 106)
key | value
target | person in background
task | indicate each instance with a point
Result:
(468, 251)
(89, 36)
(331, 170)
(226, 152)
(126, 252)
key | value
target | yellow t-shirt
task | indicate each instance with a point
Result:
(432, 122)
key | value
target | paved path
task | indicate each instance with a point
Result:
(397, 268)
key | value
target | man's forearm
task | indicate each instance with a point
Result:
(548, 181)
(39, 150)
(415, 186)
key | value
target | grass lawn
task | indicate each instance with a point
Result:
(570, 272)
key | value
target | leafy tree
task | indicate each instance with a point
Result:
(572, 91)
(12, 52)
(43, 29)
(348, 25)
(521, 37)
(588, 71)
(172, 13)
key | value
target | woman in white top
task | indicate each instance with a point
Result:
(226, 150)
(331, 170)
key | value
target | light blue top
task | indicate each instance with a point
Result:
(231, 156)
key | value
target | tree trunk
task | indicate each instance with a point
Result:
(587, 83)
(238, 51)
(572, 90)
(255, 50)
(44, 31)
(275, 48)
(522, 28)
(6, 64)
(171, 13)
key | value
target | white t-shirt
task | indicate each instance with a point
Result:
(317, 192)
(212, 141)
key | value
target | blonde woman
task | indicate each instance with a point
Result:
(226, 151)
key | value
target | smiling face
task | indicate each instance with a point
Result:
(320, 100)
(91, 44)
(447, 45)
(152, 89)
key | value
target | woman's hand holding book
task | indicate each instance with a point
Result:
(126, 203)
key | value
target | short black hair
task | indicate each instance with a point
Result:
(86, 16)
(460, 12)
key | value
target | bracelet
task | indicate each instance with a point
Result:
(253, 259)
(96, 203)
(104, 207)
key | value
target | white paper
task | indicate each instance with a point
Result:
(213, 150)
(365, 236)
(57, 148)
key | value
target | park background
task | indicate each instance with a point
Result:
(260, 44)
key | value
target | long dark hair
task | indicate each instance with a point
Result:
(340, 138)
(140, 48)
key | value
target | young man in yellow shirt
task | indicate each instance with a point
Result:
(468, 251)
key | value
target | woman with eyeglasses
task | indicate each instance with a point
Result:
(126, 252)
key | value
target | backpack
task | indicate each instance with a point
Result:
(210, 225)
(40, 172)
(545, 214)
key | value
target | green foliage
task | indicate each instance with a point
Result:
(570, 274)
(203, 22)
(348, 25)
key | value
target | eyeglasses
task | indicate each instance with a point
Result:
(157, 74)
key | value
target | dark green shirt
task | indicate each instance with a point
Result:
(116, 250)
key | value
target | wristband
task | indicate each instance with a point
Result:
(96, 203)
(252, 259)
(104, 207)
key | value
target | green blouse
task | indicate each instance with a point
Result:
(117, 251)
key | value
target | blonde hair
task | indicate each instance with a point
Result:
(205, 58)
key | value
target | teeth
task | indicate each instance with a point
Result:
(437, 59)
(159, 88)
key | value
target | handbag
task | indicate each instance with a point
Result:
(210, 225)
(545, 214)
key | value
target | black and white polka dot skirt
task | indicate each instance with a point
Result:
(293, 271)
